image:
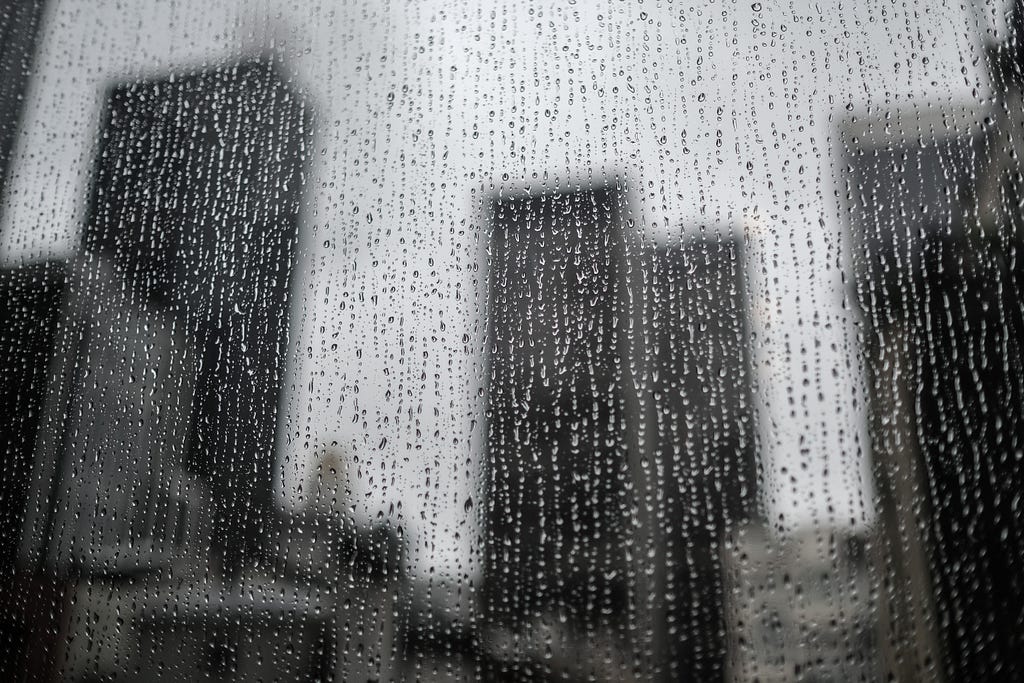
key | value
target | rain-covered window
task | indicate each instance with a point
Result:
(373, 340)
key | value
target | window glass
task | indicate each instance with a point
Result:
(646, 341)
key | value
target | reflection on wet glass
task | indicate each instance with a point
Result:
(652, 342)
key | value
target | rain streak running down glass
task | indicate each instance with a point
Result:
(379, 340)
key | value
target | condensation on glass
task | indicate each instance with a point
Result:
(393, 341)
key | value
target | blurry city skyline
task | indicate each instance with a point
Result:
(420, 118)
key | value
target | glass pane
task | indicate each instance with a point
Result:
(651, 341)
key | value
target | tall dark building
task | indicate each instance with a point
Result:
(559, 413)
(701, 414)
(968, 325)
(936, 231)
(940, 288)
(20, 22)
(27, 294)
(29, 303)
(174, 321)
(589, 371)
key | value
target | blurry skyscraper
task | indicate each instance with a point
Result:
(573, 393)
(936, 243)
(702, 430)
(169, 358)
(560, 422)
(20, 21)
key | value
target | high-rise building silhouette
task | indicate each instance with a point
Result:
(20, 21)
(29, 305)
(620, 437)
(935, 235)
(559, 413)
(28, 294)
(968, 333)
(170, 355)
(702, 431)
